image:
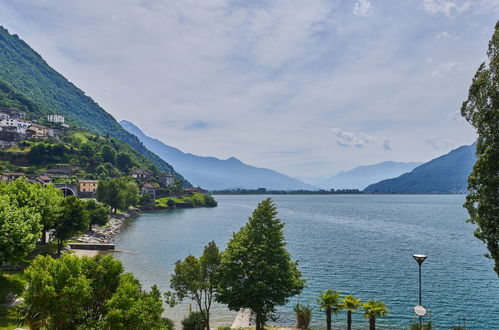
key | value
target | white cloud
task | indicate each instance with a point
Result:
(446, 7)
(440, 144)
(443, 69)
(363, 8)
(358, 139)
(442, 35)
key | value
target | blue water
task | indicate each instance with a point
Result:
(355, 244)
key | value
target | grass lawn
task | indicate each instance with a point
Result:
(198, 197)
(10, 281)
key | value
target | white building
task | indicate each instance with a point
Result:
(59, 119)
(20, 125)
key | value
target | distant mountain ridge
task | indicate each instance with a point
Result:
(362, 176)
(447, 174)
(216, 174)
(26, 78)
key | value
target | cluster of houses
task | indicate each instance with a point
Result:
(14, 127)
(87, 188)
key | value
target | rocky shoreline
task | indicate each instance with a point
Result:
(106, 234)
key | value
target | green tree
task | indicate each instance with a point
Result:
(197, 279)
(132, 308)
(108, 154)
(124, 161)
(72, 220)
(374, 309)
(351, 305)
(303, 316)
(481, 110)
(256, 271)
(43, 201)
(20, 228)
(98, 213)
(118, 193)
(57, 291)
(70, 292)
(329, 301)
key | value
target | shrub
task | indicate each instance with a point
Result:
(193, 321)
(303, 316)
(210, 201)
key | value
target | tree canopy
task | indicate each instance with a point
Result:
(256, 270)
(481, 110)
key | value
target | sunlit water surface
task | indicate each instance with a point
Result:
(355, 244)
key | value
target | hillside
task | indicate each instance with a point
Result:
(362, 176)
(215, 174)
(447, 174)
(28, 82)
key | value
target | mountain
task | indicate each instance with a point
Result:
(362, 176)
(29, 83)
(216, 174)
(447, 174)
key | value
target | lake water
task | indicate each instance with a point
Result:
(355, 244)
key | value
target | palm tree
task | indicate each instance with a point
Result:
(374, 309)
(351, 304)
(329, 301)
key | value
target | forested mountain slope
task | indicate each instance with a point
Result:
(29, 83)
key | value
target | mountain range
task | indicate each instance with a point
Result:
(362, 176)
(214, 173)
(447, 174)
(29, 83)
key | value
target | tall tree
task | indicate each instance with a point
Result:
(98, 213)
(374, 309)
(118, 193)
(329, 301)
(20, 228)
(351, 305)
(481, 110)
(256, 271)
(197, 279)
(72, 220)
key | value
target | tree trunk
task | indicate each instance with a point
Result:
(44, 236)
(259, 325)
(207, 321)
(349, 320)
(372, 323)
(328, 319)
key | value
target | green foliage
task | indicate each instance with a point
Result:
(108, 155)
(132, 308)
(193, 321)
(78, 291)
(19, 231)
(72, 220)
(197, 279)
(170, 203)
(329, 301)
(29, 83)
(210, 201)
(118, 193)
(98, 213)
(351, 305)
(374, 309)
(303, 316)
(481, 110)
(43, 201)
(256, 271)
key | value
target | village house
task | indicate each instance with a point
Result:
(57, 119)
(12, 176)
(45, 180)
(65, 169)
(87, 188)
(40, 131)
(149, 189)
(141, 174)
(11, 113)
(166, 179)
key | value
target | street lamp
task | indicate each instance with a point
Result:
(420, 310)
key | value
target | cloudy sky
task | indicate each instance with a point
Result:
(304, 87)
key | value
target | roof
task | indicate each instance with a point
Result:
(88, 181)
(44, 178)
(149, 186)
(165, 174)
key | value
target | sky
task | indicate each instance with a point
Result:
(307, 88)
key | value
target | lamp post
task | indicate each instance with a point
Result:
(420, 310)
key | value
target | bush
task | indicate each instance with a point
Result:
(194, 321)
(303, 316)
(210, 201)
(170, 203)
(167, 324)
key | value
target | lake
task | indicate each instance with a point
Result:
(356, 244)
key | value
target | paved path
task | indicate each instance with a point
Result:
(242, 320)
